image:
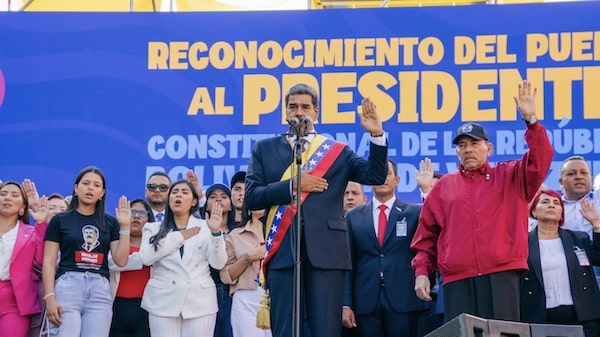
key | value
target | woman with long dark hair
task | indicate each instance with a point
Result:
(77, 293)
(180, 296)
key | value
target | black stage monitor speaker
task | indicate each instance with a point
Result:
(464, 325)
(552, 330)
(499, 328)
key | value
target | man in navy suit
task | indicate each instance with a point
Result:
(325, 249)
(378, 294)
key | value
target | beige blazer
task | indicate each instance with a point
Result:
(182, 285)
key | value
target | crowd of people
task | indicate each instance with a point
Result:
(296, 236)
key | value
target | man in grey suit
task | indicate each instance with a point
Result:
(378, 293)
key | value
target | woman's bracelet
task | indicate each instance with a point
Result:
(48, 295)
(122, 232)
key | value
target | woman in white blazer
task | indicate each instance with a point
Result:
(180, 296)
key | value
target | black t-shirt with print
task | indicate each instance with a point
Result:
(84, 246)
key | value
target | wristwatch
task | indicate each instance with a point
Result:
(531, 120)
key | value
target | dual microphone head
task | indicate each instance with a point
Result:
(298, 126)
(295, 122)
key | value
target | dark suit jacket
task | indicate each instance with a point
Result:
(325, 230)
(362, 286)
(584, 289)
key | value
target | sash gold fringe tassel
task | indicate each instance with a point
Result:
(263, 315)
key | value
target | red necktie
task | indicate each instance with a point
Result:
(382, 224)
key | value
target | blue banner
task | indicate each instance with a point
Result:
(133, 93)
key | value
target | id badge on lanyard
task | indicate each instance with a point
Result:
(581, 257)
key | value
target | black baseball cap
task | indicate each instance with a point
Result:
(238, 177)
(470, 129)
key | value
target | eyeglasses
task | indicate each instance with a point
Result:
(142, 213)
(153, 187)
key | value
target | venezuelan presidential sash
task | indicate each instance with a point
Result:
(322, 153)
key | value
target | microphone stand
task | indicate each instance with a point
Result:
(298, 132)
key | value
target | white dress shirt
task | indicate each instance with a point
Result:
(7, 245)
(573, 218)
(376, 203)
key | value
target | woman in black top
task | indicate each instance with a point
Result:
(77, 293)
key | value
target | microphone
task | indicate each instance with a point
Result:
(293, 121)
(299, 126)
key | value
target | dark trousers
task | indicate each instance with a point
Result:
(386, 322)
(223, 323)
(346, 332)
(566, 314)
(321, 301)
(129, 319)
(493, 296)
(429, 321)
(591, 328)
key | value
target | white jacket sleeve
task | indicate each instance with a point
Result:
(167, 245)
(133, 263)
(217, 254)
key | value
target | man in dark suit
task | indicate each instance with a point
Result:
(379, 290)
(325, 250)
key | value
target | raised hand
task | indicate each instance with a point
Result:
(41, 212)
(214, 218)
(590, 213)
(425, 175)
(369, 118)
(33, 198)
(192, 177)
(123, 213)
(526, 100)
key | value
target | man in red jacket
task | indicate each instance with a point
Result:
(473, 225)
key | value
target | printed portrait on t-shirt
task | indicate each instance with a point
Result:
(90, 238)
(92, 255)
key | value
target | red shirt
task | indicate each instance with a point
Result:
(133, 282)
